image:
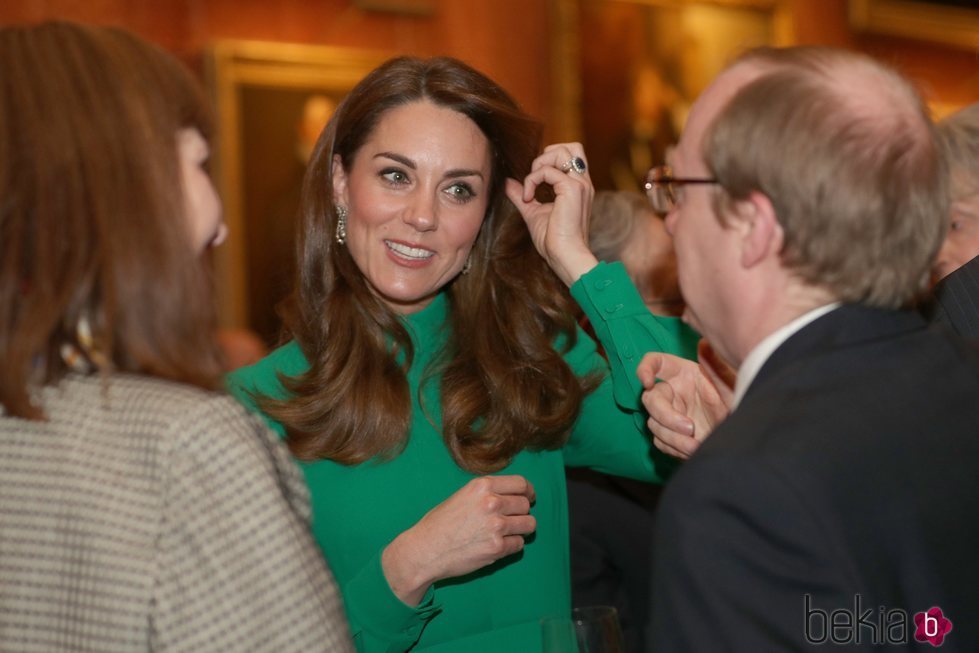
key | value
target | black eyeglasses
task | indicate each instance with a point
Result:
(662, 188)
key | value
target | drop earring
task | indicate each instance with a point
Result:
(341, 224)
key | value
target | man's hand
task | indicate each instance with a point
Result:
(685, 400)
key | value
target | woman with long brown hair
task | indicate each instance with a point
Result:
(141, 508)
(436, 383)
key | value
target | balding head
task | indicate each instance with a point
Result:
(843, 148)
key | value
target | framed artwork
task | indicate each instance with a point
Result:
(953, 22)
(272, 101)
(628, 71)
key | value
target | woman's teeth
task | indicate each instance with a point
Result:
(409, 252)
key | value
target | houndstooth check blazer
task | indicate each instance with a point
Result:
(145, 515)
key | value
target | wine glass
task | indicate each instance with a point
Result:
(591, 629)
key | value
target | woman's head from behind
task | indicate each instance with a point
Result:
(105, 210)
(416, 155)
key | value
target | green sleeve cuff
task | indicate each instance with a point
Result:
(607, 293)
(380, 621)
(626, 328)
(610, 434)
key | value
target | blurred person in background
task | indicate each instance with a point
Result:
(625, 228)
(959, 134)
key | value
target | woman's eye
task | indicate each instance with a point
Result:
(462, 192)
(955, 226)
(396, 177)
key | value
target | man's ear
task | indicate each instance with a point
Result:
(339, 176)
(761, 233)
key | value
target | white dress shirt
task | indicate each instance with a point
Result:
(756, 358)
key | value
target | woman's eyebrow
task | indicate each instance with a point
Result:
(408, 163)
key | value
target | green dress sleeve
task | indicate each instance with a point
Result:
(610, 434)
(379, 621)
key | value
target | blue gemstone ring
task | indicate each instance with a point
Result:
(575, 164)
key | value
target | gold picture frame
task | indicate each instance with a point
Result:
(599, 46)
(929, 21)
(258, 89)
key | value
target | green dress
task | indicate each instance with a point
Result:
(358, 510)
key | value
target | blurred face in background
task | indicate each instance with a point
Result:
(651, 262)
(201, 203)
(962, 242)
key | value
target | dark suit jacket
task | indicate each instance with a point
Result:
(850, 469)
(957, 300)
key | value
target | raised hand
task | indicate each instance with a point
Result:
(560, 228)
(482, 522)
(685, 400)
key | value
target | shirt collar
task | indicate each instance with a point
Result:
(756, 358)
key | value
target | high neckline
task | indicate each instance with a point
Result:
(425, 326)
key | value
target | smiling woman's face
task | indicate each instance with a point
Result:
(416, 195)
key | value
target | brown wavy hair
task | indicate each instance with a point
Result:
(92, 219)
(504, 386)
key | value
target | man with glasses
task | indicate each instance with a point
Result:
(837, 502)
